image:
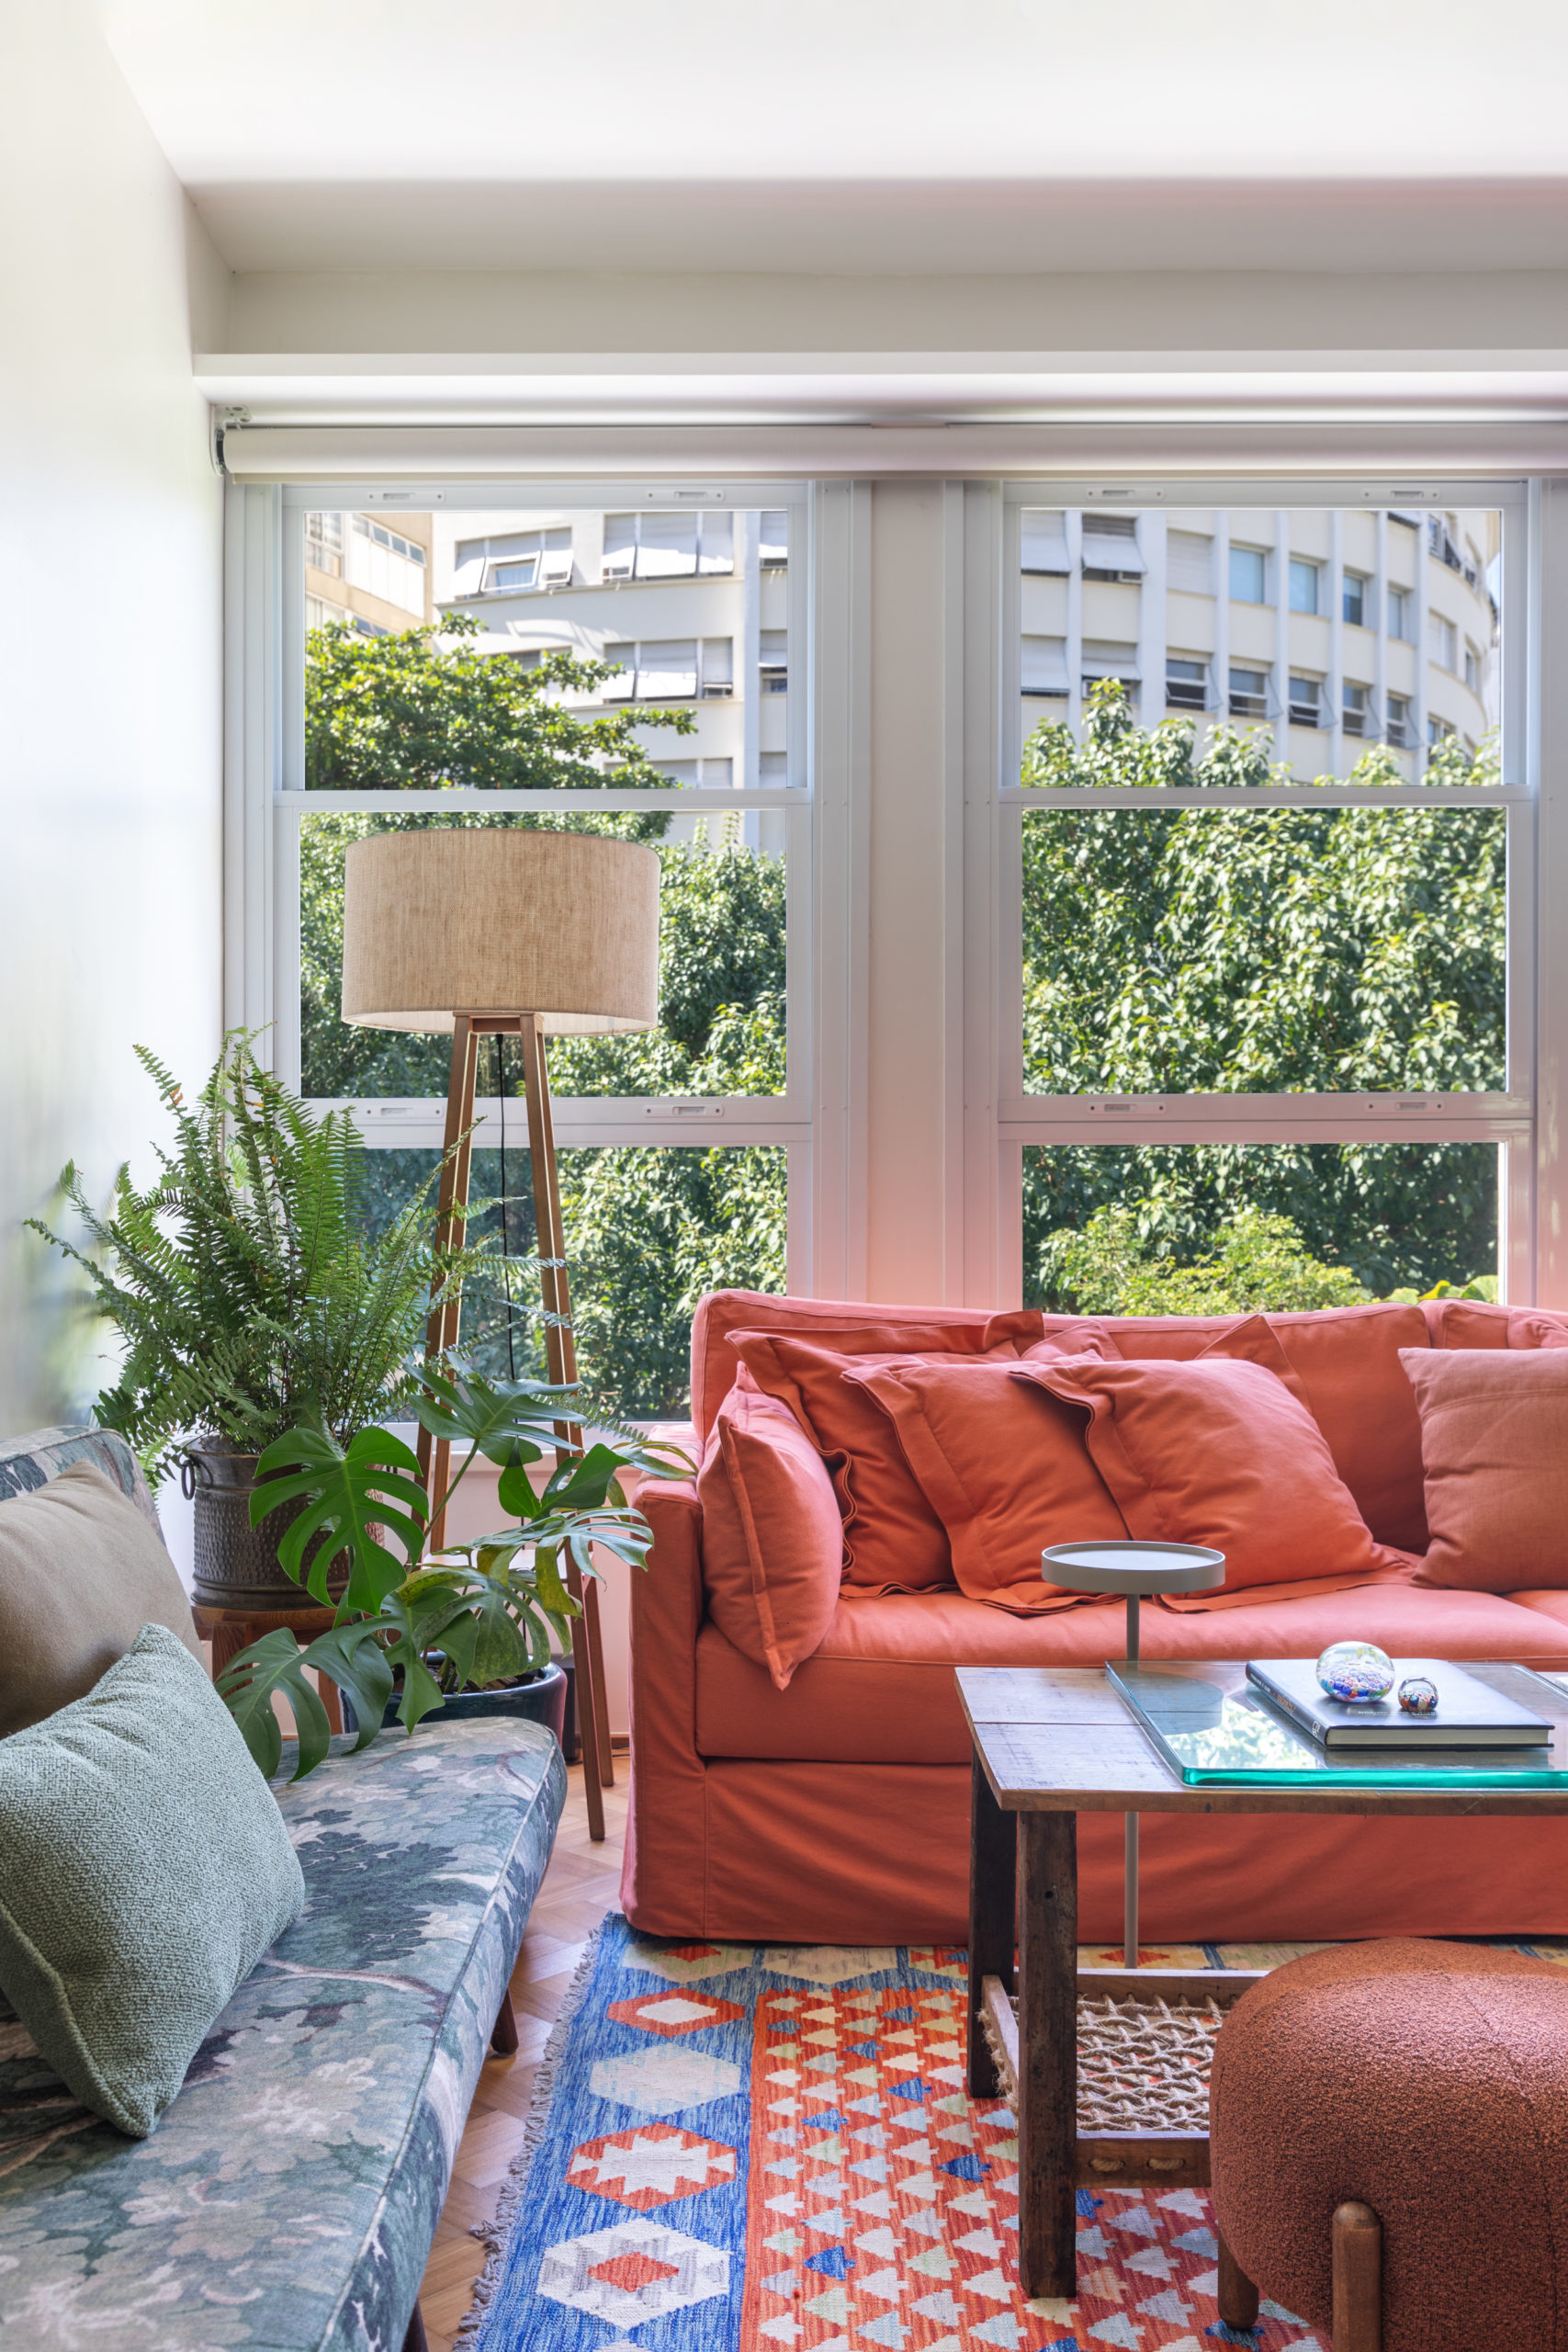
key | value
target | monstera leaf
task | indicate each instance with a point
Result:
(347, 1494)
(351, 1655)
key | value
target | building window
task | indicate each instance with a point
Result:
(1190, 562)
(1306, 702)
(1043, 672)
(1186, 683)
(1305, 581)
(772, 661)
(1354, 602)
(1249, 576)
(672, 669)
(1440, 540)
(1442, 642)
(323, 543)
(1472, 667)
(1402, 614)
(1355, 709)
(772, 541)
(1401, 730)
(1111, 548)
(512, 562)
(1249, 692)
(1110, 658)
(667, 547)
(1043, 548)
(1438, 731)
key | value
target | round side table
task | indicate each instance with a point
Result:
(1141, 1571)
(231, 1629)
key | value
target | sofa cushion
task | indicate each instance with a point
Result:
(1347, 1361)
(1004, 1466)
(1219, 1452)
(880, 1689)
(289, 2195)
(143, 1871)
(1476, 1323)
(1494, 1422)
(81, 1572)
(772, 1539)
(28, 1463)
(894, 1542)
(852, 1327)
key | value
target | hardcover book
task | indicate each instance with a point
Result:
(1469, 1714)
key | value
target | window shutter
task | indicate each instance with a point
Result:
(717, 543)
(1106, 658)
(620, 546)
(667, 670)
(1044, 668)
(1105, 550)
(1045, 545)
(667, 546)
(555, 570)
(772, 541)
(1190, 562)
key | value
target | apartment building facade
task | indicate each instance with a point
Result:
(690, 606)
(370, 571)
(1334, 630)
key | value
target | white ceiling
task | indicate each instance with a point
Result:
(862, 135)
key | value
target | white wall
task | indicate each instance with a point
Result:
(110, 661)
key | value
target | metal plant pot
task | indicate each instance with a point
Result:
(237, 1565)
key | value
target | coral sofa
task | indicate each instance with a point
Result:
(836, 1809)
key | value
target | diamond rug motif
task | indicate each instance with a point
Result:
(801, 2169)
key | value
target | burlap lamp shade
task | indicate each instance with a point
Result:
(564, 925)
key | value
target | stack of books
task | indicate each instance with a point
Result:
(1468, 1713)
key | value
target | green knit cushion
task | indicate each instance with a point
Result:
(144, 1868)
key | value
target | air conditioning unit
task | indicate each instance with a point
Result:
(720, 690)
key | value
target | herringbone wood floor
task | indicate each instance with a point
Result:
(582, 1883)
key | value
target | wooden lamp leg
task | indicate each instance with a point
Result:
(1358, 2279)
(451, 1209)
(561, 1362)
(1237, 2296)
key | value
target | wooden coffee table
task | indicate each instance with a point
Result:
(1049, 1744)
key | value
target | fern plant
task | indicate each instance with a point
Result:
(251, 1297)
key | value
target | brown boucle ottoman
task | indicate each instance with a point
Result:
(1430, 2082)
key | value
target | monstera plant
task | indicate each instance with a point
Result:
(481, 1613)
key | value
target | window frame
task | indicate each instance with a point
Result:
(266, 802)
(1507, 1118)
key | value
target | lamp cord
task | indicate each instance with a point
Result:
(505, 1208)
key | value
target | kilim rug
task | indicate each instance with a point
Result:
(770, 2149)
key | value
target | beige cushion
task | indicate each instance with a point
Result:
(1494, 1450)
(81, 1572)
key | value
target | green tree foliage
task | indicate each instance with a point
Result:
(421, 711)
(1257, 1261)
(1261, 950)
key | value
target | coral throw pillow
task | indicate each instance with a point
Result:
(1003, 1464)
(893, 1540)
(1495, 1452)
(1217, 1450)
(773, 1539)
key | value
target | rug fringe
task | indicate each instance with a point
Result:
(496, 2232)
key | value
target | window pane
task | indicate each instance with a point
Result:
(722, 970)
(1406, 606)
(1195, 950)
(423, 689)
(1211, 1228)
(647, 1231)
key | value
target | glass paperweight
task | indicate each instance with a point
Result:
(1355, 1670)
(1417, 1695)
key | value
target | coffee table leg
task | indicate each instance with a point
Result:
(993, 1910)
(1047, 2053)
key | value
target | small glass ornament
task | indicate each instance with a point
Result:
(1417, 1695)
(1355, 1670)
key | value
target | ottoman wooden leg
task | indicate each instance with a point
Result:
(1238, 2296)
(1357, 2279)
(416, 2340)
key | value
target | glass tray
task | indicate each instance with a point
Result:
(1211, 1734)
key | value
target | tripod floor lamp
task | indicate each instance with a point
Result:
(491, 932)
